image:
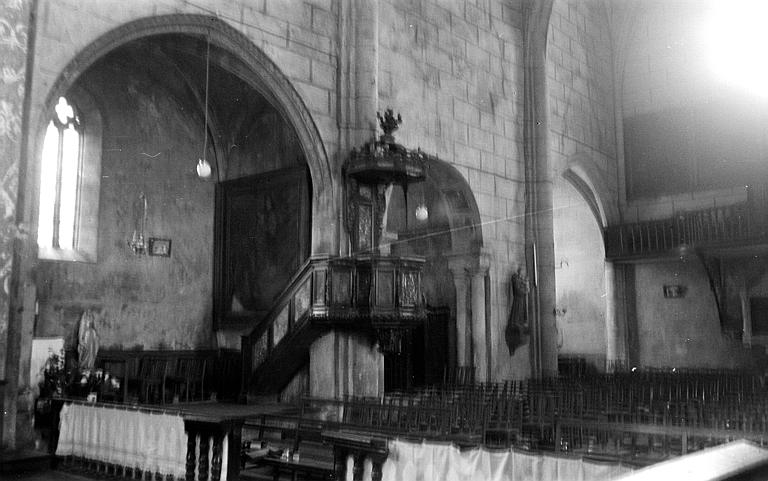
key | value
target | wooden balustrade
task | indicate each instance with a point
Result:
(741, 223)
(372, 294)
(213, 431)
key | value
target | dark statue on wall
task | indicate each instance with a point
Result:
(516, 333)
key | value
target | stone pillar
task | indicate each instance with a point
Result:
(612, 331)
(17, 245)
(479, 330)
(539, 184)
(345, 364)
(458, 268)
(746, 311)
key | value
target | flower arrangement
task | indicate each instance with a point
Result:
(54, 375)
(58, 381)
(98, 381)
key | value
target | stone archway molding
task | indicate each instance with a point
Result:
(255, 68)
(591, 184)
(463, 213)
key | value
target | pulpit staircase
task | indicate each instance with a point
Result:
(378, 295)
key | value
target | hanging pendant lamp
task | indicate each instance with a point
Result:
(203, 166)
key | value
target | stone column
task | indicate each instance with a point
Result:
(746, 311)
(458, 268)
(479, 331)
(539, 185)
(17, 246)
(612, 349)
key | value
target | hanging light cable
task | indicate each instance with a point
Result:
(203, 166)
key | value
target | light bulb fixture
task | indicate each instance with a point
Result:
(422, 213)
(203, 166)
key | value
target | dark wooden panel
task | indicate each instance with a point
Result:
(262, 239)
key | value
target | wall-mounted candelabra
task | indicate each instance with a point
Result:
(137, 243)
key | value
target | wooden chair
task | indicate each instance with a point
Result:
(152, 377)
(119, 369)
(189, 378)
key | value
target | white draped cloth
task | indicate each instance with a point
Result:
(154, 442)
(435, 461)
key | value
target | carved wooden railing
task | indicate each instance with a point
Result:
(380, 295)
(733, 225)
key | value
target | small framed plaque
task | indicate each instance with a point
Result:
(674, 291)
(159, 247)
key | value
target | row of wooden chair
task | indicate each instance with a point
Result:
(161, 380)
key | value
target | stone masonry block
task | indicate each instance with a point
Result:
(293, 65)
(460, 132)
(504, 145)
(326, 5)
(437, 14)
(476, 16)
(505, 188)
(479, 57)
(323, 74)
(492, 163)
(256, 19)
(465, 112)
(453, 6)
(297, 13)
(453, 45)
(485, 205)
(437, 58)
(485, 182)
(463, 29)
(480, 139)
(490, 42)
(466, 156)
(490, 123)
(308, 38)
(316, 98)
(324, 22)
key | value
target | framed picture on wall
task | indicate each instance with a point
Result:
(674, 291)
(159, 247)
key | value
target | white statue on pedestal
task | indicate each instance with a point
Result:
(87, 341)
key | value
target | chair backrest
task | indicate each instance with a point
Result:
(191, 369)
(153, 368)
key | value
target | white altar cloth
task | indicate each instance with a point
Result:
(431, 461)
(154, 442)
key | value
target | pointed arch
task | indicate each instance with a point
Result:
(589, 182)
(251, 65)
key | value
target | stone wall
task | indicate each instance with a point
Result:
(684, 331)
(299, 37)
(580, 277)
(150, 146)
(580, 85)
(453, 69)
(582, 139)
